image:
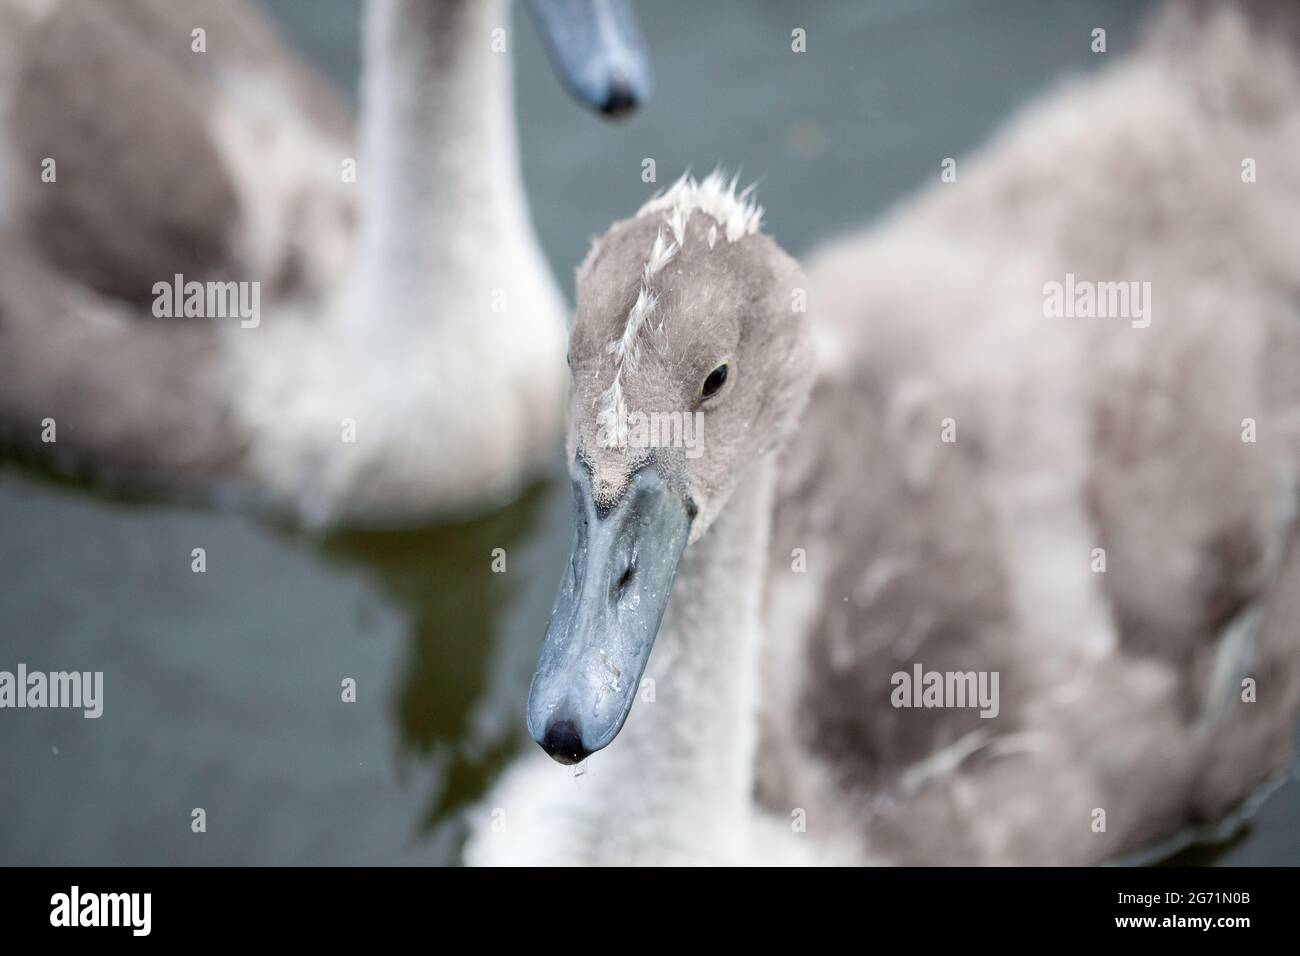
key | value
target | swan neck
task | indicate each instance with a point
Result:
(438, 155)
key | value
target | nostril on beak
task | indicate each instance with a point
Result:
(625, 578)
(563, 742)
(620, 99)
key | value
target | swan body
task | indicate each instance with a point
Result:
(162, 164)
(406, 358)
(447, 346)
(831, 548)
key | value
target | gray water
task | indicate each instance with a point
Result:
(223, 689)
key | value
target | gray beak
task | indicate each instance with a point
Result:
(606, 614)
(597, 50)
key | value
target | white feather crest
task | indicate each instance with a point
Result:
(737, 213)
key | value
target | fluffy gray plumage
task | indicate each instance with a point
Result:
(1121, 690)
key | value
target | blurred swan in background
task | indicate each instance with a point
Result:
(401, 353)
(1110, 529)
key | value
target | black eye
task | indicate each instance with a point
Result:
(715, 381)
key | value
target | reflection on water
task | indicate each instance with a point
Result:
(223, 688)
(473, 633)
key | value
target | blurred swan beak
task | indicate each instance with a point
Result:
(597, 50)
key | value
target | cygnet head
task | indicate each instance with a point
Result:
(691, 359)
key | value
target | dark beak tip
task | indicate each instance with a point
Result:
(620, 100)
(562, 741)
